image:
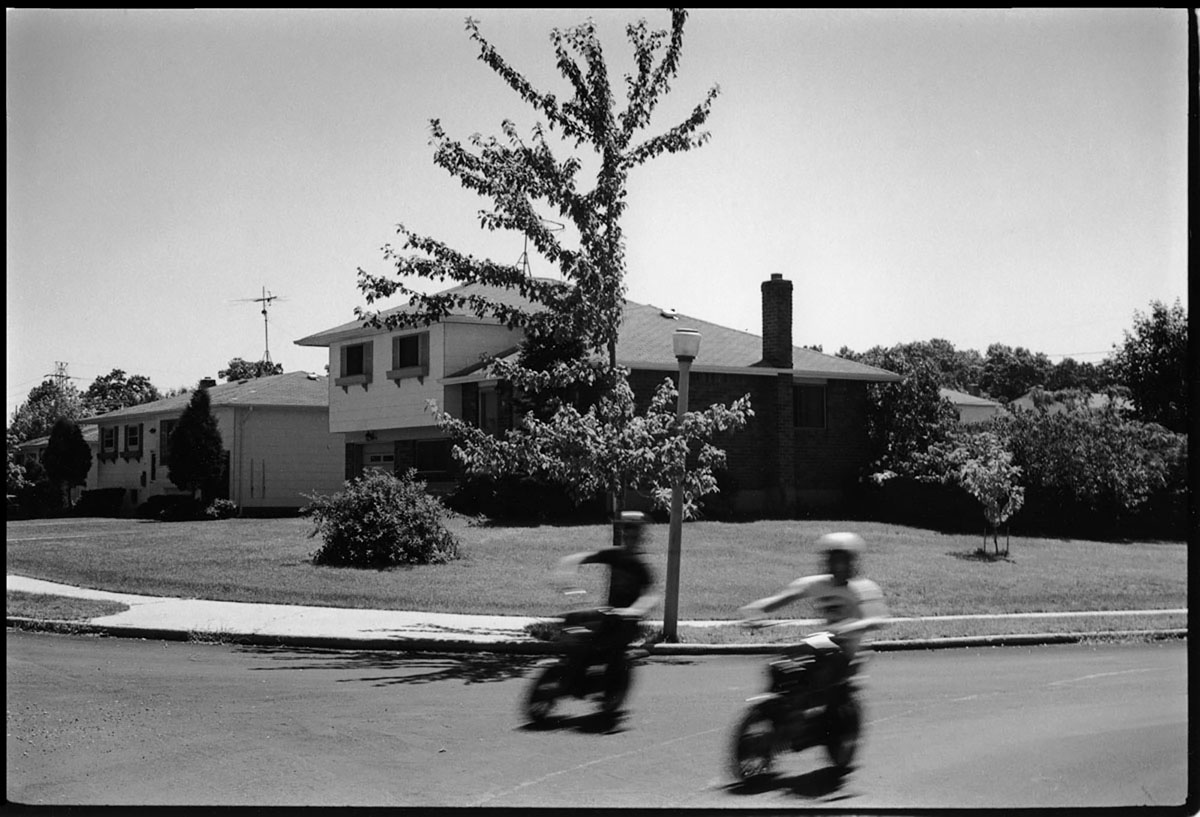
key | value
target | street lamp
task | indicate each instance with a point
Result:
(687, 345)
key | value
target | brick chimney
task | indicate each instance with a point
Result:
(777, 322)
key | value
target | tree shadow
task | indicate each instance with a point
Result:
(825, 784)
(979, 555)
(389, 668)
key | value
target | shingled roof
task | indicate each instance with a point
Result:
(294, 389)
(645, 341)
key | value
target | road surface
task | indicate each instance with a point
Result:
(115, 721)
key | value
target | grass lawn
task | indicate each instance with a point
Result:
(507, 570)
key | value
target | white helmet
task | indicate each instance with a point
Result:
(849, 543)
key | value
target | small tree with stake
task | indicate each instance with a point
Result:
(197, 454)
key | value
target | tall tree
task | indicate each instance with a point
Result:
(239, 369)
(1152, 363)
(44, 406)
(1008, 373)
(115, 390)
(571, 325)
(197, 454)
(68, 457)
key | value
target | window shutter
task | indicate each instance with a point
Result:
(141, 437)
(424, 352)
(342, 361)
(368, 358)
(396, 352)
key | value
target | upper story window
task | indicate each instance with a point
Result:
(410, 357)
(133, 442)
(108, 443)
(355, 364)
(808, 406)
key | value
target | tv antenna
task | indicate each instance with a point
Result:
(554, 227)
(265, 300)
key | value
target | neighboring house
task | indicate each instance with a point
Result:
(35, 450)
(972, 409)
(805, 446)
(1058, 402)
(275, 431)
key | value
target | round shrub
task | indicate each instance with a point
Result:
(380, 520)
(221, 509)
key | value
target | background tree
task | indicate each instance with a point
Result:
(1008, 373)
(68, 457)
(1152, 363)
(197, 453)
(44, 406)
(905, 419)
(114, 391)
(16, 469)
(567, 324)
(239, 369)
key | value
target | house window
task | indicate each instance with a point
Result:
(808, 404)
(433, 456)
(133, 442)
(355, 364)
(108, 442)
(380, 462)
(165, 429)
(410, 357)
(355, 361)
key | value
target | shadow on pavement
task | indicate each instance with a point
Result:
(592, 723)
(388, 668)
(819, 784)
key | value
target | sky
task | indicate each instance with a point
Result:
(982, 176)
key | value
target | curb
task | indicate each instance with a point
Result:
(547, 648)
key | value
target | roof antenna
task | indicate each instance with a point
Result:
(524, 259)
(265, 300)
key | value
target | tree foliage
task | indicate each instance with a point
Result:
(17, 478)
(46, 404)
(578, 408)
(984, 467)
(610, 447)
(68, 457)
(197, 454)
(115, 390)
(239, 369)
(905, 419)
(1010, 372)
(1153, 363)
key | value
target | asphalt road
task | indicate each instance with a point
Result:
(113, 721)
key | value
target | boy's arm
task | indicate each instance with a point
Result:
(793, 592)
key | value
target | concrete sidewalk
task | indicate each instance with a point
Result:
(347, 628)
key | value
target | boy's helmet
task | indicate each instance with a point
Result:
(631, 525)
(849, 543)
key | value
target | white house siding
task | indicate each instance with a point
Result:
(145, 476)
(465, 342)
(384, 403)
(279, 454)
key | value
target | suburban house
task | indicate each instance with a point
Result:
(275, 432)
(34, 450)
(804, 448)
(971, 408)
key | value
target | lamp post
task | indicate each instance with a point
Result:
(687, 345)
